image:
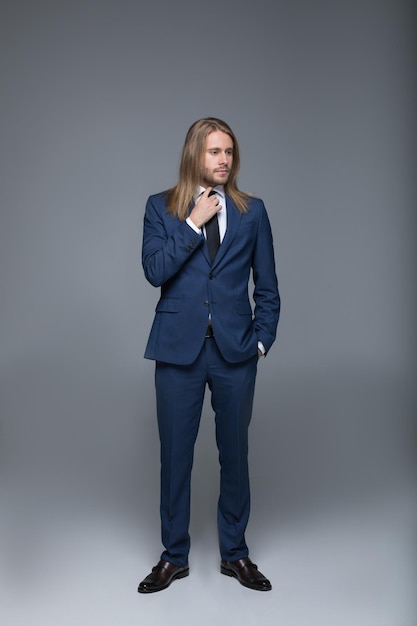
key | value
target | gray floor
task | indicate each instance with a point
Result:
(336, 567)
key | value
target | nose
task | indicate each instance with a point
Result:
(224, 158)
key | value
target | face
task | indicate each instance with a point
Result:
(217, 159)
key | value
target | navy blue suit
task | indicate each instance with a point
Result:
(176, 259)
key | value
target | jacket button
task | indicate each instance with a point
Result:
(211, 276)
(206, 302)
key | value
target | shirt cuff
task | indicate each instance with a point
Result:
(261, 347)
(193, 226)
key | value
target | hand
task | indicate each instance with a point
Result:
(205, 208)
(259, 353)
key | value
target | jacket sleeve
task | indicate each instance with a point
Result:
(168, 243)
(266, 295)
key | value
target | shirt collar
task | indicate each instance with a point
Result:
(218, 189)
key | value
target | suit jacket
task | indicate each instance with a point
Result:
(175, 258)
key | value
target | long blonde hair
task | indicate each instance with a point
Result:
(180, 197)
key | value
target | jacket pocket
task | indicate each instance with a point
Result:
(168, 305)
(243, 307)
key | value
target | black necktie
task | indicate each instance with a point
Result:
(213, 234)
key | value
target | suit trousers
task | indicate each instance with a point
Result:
(180, 393)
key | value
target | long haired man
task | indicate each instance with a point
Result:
(202, 241)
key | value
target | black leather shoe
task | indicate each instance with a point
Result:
(247, 574)
(162, 576)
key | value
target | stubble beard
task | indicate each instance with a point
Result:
(212, 179)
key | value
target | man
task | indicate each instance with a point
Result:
(201, 240)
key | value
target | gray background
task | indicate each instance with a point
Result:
(96, 98)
